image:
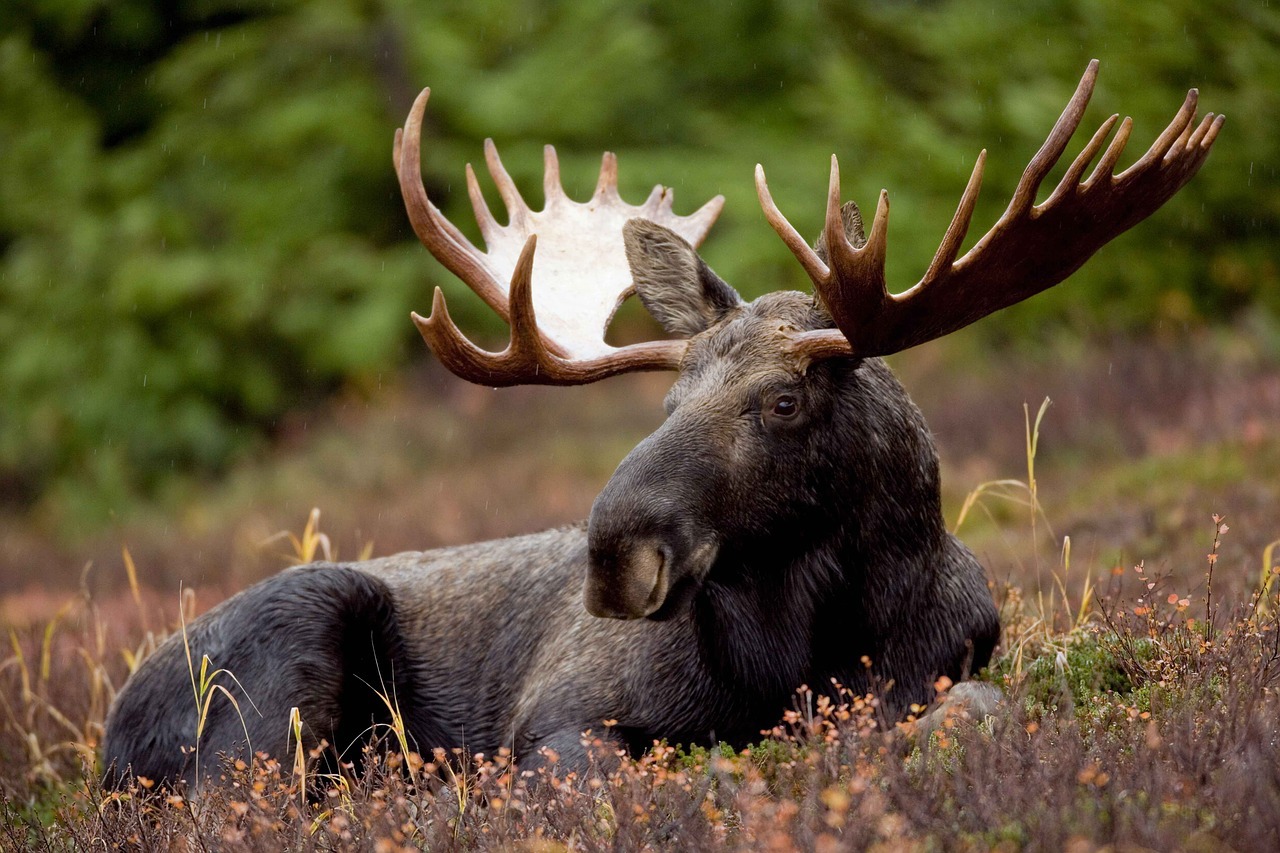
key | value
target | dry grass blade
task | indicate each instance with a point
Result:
(1267, 579)
(299, 755)
(205, 687)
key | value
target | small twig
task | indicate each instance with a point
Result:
(189, 808)
(1123, 639)
(1219, 528)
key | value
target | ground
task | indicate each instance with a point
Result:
(1132, 722)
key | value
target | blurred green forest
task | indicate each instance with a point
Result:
(200, 229)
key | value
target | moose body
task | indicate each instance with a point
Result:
(841, 558)
(783, 527)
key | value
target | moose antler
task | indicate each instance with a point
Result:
(558, 309)
(1029, 249)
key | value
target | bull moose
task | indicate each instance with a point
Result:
(783, 525)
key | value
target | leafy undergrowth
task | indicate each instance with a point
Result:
(1142, 699)
(1136, 714)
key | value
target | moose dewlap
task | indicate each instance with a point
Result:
(782, 526)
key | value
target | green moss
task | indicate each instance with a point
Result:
(1069, 678)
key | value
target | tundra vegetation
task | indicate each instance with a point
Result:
(210, 177)
(1143, 694)
(1125, 724)
(1142, 709)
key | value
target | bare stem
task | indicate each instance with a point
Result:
(1219, 528)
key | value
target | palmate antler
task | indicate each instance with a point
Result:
(1029, 249)
(558, 308)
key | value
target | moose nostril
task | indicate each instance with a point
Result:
(660, 580)
(644, 576)
(630, 584)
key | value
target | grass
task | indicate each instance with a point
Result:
(1134, 728)
(1142, 692)
(205, 688)
(1133, 725)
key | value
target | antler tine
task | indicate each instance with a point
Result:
(1029, 249)
(854, 289)
(951, 241)
(1166, 141)
(700, 220)
(607, 186)
(526, 351)
(667, 202)
(833, 222)
(552, 188)
(435, 232)
(1105, 170)
(517, 210)
(1209, 125)
(659, 207)
(1180, 144)
(438, 228)
(489, 227)
(799, 247)
(1077, 167)
(526, 348)
(1212, 133)
(1025, 195)
(876, 249)
(1179, 151)
(453, 349)
(658, 196)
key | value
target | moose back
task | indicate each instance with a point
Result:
(782, 527)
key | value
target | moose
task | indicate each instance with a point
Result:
(782, 527)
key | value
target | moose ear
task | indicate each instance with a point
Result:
(674, 284)
(851, 218)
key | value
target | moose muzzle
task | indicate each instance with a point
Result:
(647, 544)
(639, 580)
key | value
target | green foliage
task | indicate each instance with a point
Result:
(1071, 678)
(200, 228)
(175, 280)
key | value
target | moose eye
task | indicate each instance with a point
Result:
(785, 406)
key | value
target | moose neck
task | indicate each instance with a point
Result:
(829, 587)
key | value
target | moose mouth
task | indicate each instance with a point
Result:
(640, 584)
